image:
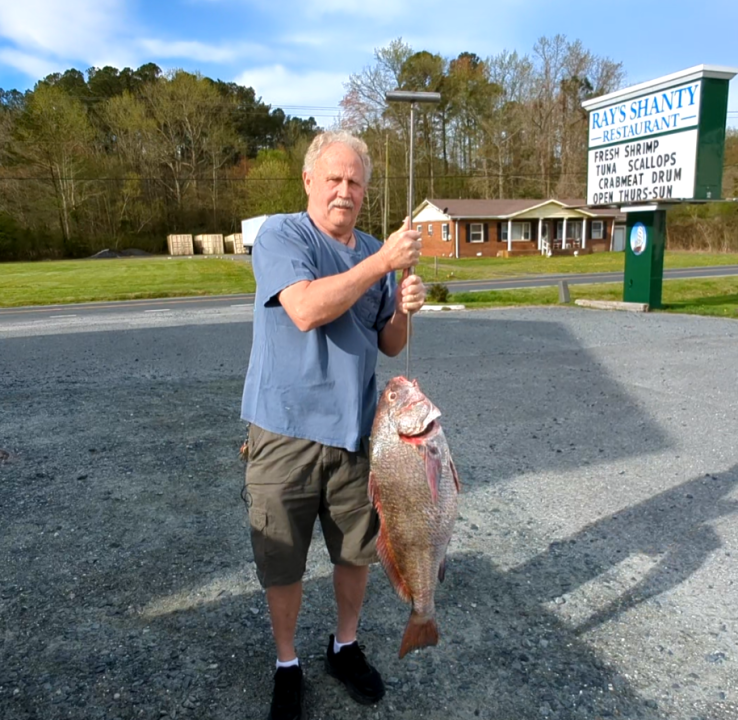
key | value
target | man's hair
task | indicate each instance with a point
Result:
(321, 143)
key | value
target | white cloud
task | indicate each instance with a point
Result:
(385, 10)
(67, 29)
(31, 65)
(298, 93)
(195, 50)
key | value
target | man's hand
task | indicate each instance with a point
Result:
(410, 294)
(401, 250)
(410, 297)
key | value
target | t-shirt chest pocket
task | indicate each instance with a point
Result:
(367, 307)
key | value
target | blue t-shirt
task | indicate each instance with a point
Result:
(318, 385)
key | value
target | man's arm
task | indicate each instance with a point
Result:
(312, 303)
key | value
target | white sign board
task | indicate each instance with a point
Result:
(659, 140)
(654, 169)
(665, 111)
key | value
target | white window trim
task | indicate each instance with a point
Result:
(420, 228)
(524, 229)
(430, 228)
(598, 229)
(445, 234)
(472, 232)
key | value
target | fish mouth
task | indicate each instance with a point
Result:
(428, 431)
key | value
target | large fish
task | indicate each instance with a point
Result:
(414, 487)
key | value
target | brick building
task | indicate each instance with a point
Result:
(505, 228)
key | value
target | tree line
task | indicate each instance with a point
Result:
(120, 158)
(114, 158)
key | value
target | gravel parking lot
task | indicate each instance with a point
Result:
(592, 573)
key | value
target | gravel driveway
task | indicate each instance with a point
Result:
(592, 573)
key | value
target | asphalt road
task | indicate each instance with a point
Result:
(196, 303)
(592, 573)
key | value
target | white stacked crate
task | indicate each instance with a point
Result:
(180, 245)
(209, 244)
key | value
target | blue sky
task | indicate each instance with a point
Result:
(298, 54)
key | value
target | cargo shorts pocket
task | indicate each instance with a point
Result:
(258, 521)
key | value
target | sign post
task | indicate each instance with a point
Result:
(645, 240)
(650, 145)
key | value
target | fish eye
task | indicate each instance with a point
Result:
(392, 396)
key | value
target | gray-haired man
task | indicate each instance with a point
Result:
(326, 303)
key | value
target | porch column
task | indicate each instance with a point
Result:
(584, 233)
(563, 238)
(509, 235)
(612, 233)
(540, 233)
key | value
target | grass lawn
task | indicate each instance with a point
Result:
(717, 296)
(73, 281)
(494, 268)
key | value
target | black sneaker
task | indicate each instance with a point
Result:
(349, 665)
(287, 695)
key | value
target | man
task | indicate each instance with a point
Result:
(326, 302)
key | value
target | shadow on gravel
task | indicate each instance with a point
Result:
(673, 530)
(524, 397)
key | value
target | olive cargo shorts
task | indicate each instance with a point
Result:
(289, 483)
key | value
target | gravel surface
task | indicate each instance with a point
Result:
(592, 573)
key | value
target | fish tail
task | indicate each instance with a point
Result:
(421, 631)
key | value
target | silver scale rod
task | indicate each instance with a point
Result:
(410, 196)
(413, 98)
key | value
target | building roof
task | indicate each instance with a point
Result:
(459, 208)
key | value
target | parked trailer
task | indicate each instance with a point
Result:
(249, 229)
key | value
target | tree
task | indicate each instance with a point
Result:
(274, 185)
(189, 131)
(364, 103)
(53, 135)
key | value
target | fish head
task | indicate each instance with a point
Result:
(407, 408)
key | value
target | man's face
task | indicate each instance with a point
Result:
(335, 190)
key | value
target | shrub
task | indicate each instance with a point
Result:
(437, 293)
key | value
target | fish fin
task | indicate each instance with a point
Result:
(456, 475)
(421, 631)
(432, 468)
(442, 570)
(389, 563)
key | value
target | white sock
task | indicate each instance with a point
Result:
(337, 645)
(287, 663)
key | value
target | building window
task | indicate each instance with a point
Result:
(430, 228)
(444, 232)
(598, 229)
(520, 231)
(420, 228)
(476, 232)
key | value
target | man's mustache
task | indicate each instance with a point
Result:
(348, 204)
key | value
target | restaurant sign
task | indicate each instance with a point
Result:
(660, 140)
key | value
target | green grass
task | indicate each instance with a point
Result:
(716, 297)
(494, 268)
(75, 281)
